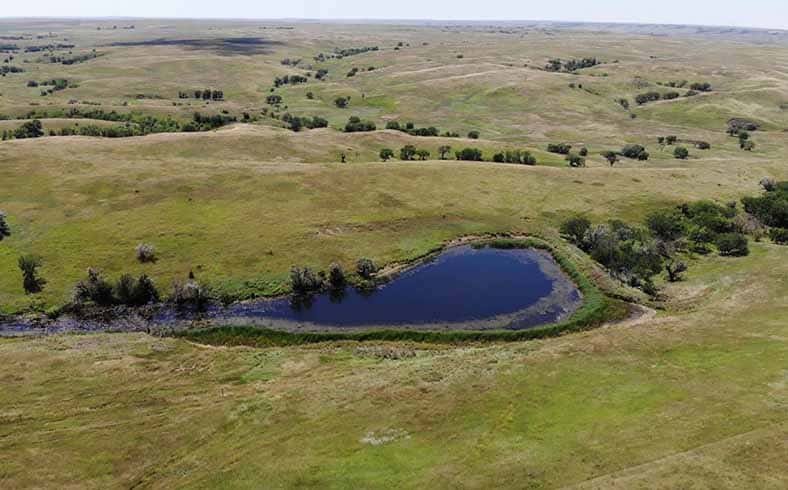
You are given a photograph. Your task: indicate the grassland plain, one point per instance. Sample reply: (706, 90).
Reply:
(693, 397)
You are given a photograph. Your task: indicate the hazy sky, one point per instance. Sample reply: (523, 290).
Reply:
(754, 13)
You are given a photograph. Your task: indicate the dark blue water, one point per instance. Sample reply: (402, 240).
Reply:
(462, 285)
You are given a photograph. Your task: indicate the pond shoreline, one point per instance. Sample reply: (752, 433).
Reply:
(139, 320)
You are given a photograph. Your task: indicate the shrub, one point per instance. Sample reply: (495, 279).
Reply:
(407, 152)
(666, 225)
(575, 160)
(356, 125)
(647, 97)
(671, 95)
(146, 253)
(386, 154)
(635, 151)
(31, 282)
(701, 86)
(190, 295)
(95, 289)
(474, 135)
(336, 276)
(304, 281)
(779, 235)
(366, 268)
(611, 157)
(469, 154)
(5, 230)
(135, 292)
(747, 145)
(681, 153)
(560, 148)
(575, 229)
(732, 244)
(342, 102)
(393, 125)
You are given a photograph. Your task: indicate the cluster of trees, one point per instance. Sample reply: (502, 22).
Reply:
(406, 153)
(273, 99)
(771, 209)
(305, 282)
(636, 254)
(127, 290)
(5, 69)
(522, 157)
(48, 47)
(56, 84)
(297, 123)
(636, 152)
(560, 148)
(356, 125)
(345, 52)
(206, 94)
(321, 74)
(558, 64)
(654, 96)
(290, 80)
(136, 125)
(737, 124)
(291, 62)
(745, 143)
(73, 60)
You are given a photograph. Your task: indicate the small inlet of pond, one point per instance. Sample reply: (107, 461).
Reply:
(463, 288)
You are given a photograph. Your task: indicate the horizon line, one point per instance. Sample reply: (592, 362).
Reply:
(373, 19)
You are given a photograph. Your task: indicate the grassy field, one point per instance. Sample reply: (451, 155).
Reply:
(692, 397)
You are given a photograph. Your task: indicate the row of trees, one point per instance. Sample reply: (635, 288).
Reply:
(297, 123)
(558, 64)
(356, 125)
(290, 80)
(207, 94)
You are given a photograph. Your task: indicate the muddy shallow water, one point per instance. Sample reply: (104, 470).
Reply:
(464, 288)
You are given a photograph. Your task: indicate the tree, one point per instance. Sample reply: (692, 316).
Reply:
(444, 151)
(5, 230)
(342, 102)
(386, 154)
(732, 244)
(747, 145)
(407, 152)
(575, 229)
(560, 148)
(29, 265)
(474, 135)
(635, 151)
(681, 153)
(575, 160)
(366, 268)
(671, 139)
(393, 125)
(423, 154)
(336, 276)
(469, 154)
(145, 253)
(499, 158)
(611, 157)
(583, 151)
(310, 95)
(666, 225)
(30, 129)
(274, 99)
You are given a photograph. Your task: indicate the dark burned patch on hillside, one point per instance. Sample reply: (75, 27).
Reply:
(226, 46)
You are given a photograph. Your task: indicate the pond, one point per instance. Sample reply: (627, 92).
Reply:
(463, 288)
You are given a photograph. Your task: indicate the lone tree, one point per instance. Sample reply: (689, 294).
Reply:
(342, 102)
(366, 268)
(29, 265)
(474, 135)
(407, 152)
(5, 230)
(386, 154)
(611, 157)
(444, 151)
(681, 153)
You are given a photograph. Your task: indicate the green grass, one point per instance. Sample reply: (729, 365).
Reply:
(693, 397)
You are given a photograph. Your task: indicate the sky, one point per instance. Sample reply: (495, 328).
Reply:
(750, 13)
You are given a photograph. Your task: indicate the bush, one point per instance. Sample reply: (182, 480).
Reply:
(647, 97)
(575, 160)
(474, 135)
(95, 289)
(304, 281)
(31, 282)
(190, 295)
(681, 153)
(135, 292)
(732, 244)
(575, 229)
(342, 102)
(560, 148)
(5, 230)
(386, 154)
(366, 268)
(356, 125)
(635, 151)
(145, 253)
(469, 154)
(336, 276)
(407, 152)
(779, 235)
